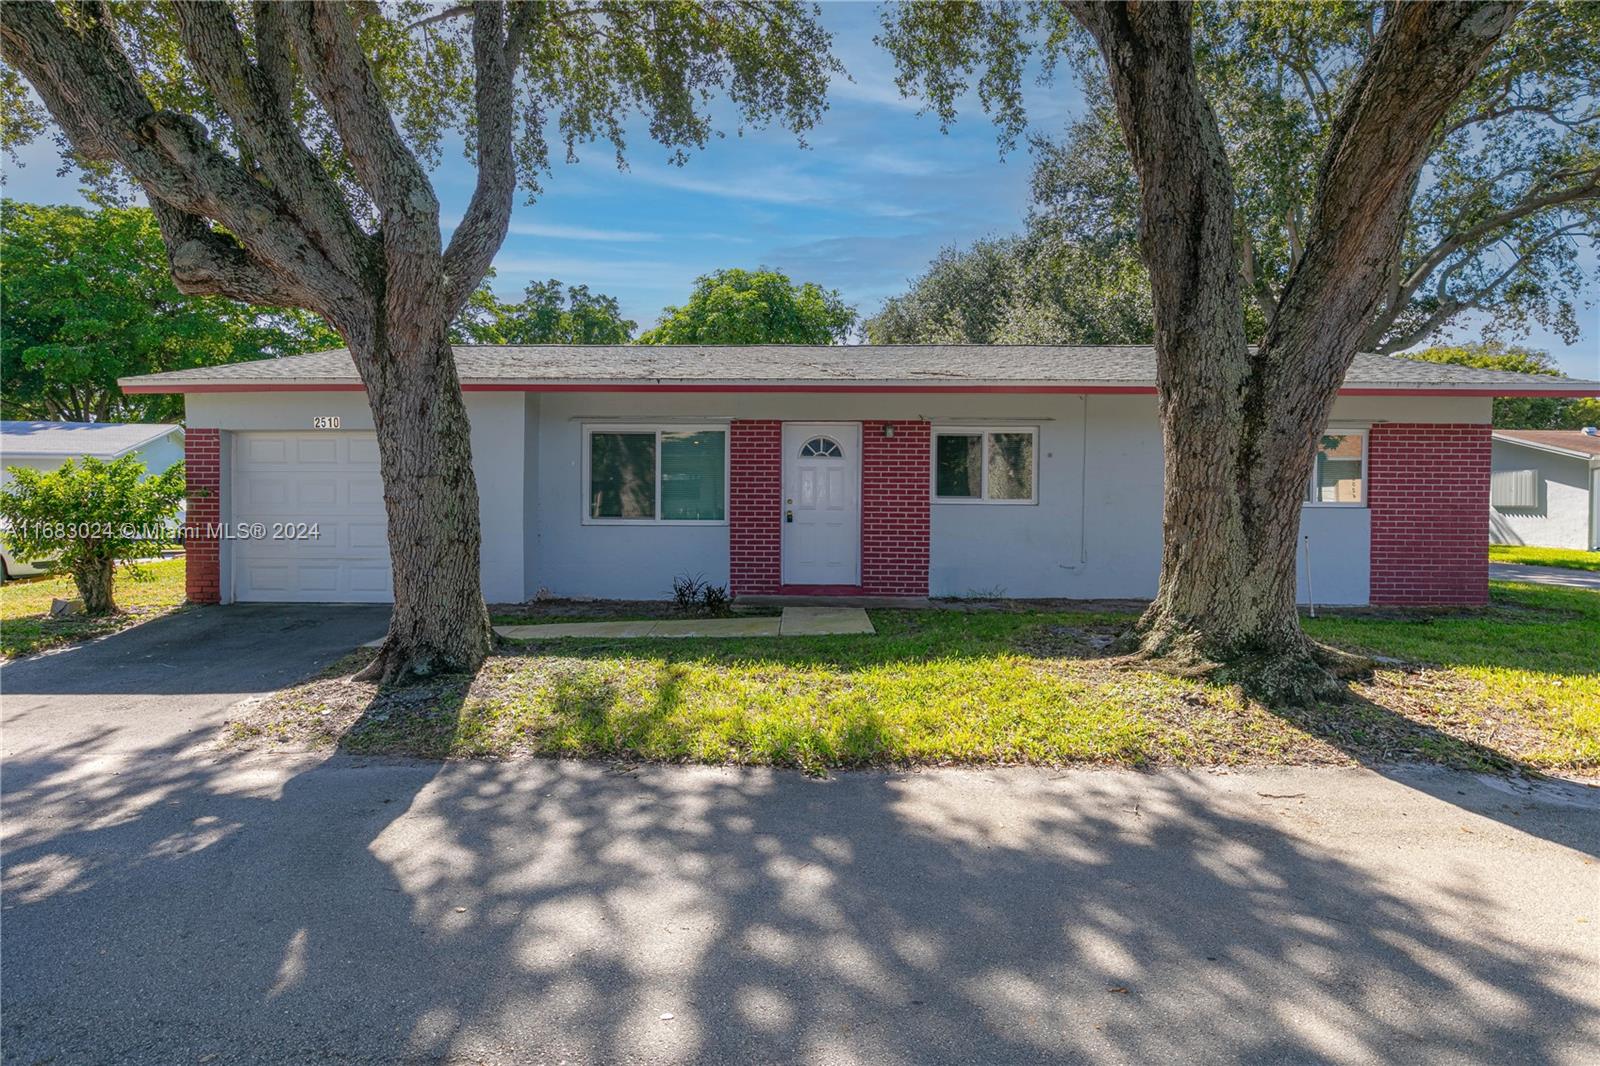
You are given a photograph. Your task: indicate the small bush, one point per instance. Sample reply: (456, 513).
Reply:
(692, 594)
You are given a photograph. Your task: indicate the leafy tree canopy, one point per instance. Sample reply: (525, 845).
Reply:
(549, 313)
(1022, 290)
(754, 307)
(1509, 198)
(1518, 412)
(86, 298)
(85, 516)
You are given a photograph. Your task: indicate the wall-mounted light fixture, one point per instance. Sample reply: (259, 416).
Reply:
(888, 429)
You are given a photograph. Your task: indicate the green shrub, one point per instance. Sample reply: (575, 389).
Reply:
(87, 516)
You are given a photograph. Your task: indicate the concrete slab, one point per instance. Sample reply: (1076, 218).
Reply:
(824, 621)
(911, 603)
(642, 628)
(718, 627)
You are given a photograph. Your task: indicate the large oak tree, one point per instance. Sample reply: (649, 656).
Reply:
(284, 148)
(1240, 422)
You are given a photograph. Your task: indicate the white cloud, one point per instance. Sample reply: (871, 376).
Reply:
(582, 233)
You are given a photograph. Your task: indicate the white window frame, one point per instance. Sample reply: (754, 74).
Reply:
(1310, 499)
(983, 480)
(658, 428)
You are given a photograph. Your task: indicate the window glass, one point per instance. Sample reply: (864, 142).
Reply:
(958, 463)
(1337, 478)
(1011, 466)
(821, 448)
(622, 475)
(693, 472)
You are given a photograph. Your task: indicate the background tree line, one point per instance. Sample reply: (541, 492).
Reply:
(86, 297)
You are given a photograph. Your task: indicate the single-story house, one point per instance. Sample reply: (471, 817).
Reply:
(1545, 488)
(945, 470)
(46, 445)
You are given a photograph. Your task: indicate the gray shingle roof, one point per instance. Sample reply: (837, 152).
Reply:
(103, 440)
(773, 364)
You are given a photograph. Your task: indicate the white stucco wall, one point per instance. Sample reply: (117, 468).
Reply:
(1095, 531)
(1562, 518)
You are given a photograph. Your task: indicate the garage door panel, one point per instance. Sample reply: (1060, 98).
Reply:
(317, 492)
(261, 450)
(321, 480)
(365, 494)
(316, 450)
(363, 450)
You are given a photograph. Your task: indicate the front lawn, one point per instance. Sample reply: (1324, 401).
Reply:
(1571, 558)
(26, 625)
(1516, 683)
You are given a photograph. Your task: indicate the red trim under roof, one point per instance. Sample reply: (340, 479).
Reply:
(1117, 390)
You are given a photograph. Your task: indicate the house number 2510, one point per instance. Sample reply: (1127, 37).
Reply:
(325, 422)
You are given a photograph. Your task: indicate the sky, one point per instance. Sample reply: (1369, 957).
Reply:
(863, 209)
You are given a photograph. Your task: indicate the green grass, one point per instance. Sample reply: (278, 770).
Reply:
(1532, 659)
(26, 625)
(1571, 558)
(1514, 684)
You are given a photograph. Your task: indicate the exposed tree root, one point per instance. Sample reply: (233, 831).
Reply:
(395, 664)
(1290, 670)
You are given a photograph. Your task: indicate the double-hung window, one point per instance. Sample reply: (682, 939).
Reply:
(646, 474)
(982, 464)
(1340, 474)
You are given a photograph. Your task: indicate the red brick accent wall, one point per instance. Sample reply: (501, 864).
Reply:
(202, 464)
(755, 507)
(896, 478)
(1428, 491)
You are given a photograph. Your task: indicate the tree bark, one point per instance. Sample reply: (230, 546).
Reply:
(93, 579)
(1240, 426)
(440, 623)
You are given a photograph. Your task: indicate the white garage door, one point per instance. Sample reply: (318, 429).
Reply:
(281, 481)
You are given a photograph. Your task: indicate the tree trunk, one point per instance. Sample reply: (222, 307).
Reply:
(440, 623)
(93, 579)
(1240, 426)
(1236, 472)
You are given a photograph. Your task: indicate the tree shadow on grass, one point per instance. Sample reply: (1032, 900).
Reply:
(355, 910)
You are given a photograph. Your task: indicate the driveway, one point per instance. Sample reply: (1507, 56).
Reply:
(1545, 575)
(150, 687)
(166, 902)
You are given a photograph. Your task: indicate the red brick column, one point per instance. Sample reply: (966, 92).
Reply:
(1428, 491)
(755, 507)
(202, 464)
(896, 478)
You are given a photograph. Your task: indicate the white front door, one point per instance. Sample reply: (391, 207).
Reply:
(821, 503)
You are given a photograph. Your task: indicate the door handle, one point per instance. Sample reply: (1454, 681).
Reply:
(788, 516)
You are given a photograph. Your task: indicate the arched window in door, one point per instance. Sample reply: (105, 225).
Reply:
(821, 448)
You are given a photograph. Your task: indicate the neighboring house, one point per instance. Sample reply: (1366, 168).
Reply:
(1546, 488)
(46, 445)
(945, 470)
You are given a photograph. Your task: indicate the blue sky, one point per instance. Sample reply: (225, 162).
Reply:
(864, 208)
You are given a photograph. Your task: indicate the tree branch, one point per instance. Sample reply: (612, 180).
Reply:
(90, 88)
(342, 79)
(258, 108)
(205, 262)
(1588, 189)
(1424, 58)
(483, 227)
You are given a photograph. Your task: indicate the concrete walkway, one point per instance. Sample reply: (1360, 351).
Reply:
(1545, 575)
(794, 622)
